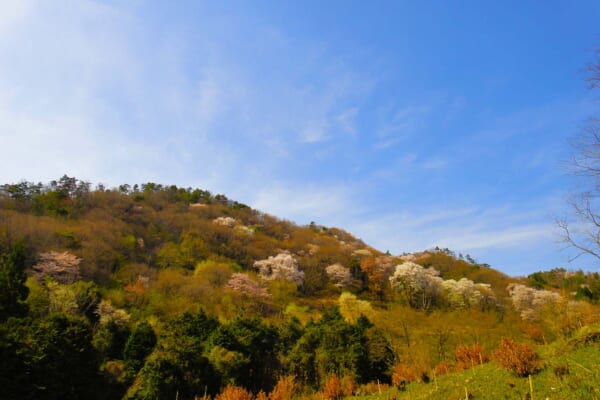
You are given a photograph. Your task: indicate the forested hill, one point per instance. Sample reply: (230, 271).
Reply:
(163, 226)
(153, 292)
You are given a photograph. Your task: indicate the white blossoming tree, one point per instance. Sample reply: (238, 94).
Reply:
(339, 275)
(282, 266)
(242, 284)
(108, 313)
(530, 302)
(62, 267)
(463, 293)
(420, 287)
(225, 221)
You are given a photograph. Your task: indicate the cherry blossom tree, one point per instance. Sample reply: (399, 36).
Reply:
(282, 266)
(463, 293)
(108, 313)
(339, 275)
(242, 283)
(529, 302)
(63, 267)
(420, 286)
(225, 221)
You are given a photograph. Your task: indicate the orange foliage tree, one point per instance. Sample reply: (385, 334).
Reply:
(232, 392)
(333, 388)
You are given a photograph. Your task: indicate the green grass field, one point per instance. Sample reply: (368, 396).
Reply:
(571, 371)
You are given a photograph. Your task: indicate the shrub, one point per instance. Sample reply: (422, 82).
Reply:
(349, 386)
(535, 332)
(519, 358)
(262, 396)
(405, 373)
(442, 368)
(232, 392)
(333, 388)
(285, 388)
(469, 356)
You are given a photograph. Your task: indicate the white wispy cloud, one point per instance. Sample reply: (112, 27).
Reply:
(402, 122)
(11, 13)
(347, 120)
(435, 163)
(464, 229)
(326, 204)
(315, 132)
(89, 97)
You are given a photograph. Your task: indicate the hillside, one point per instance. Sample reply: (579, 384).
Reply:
(152, 291)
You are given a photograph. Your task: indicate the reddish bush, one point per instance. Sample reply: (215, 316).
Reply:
(349, 386)
(285, 388)
(333, 388)
(262, 396)
(234, 393)
(442, 368)
(519, 358)
(469, 356)
(405, 373)
(535, 332)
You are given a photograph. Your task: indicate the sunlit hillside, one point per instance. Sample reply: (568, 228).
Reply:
(156, 292)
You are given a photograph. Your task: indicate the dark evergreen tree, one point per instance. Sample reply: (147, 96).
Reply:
(140, 344)
(59, 359)
(13, 291)
(178, 367)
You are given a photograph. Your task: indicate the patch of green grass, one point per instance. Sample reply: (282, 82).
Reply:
(570, 372)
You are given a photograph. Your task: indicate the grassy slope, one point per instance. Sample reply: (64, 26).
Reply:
(490, 381)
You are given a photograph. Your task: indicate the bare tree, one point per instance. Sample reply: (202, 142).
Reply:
(582, 230)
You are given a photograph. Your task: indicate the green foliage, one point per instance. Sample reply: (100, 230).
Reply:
(13, 290)
(14, 371)
(335, 346)
(50, 358)
(380, 356)
(110, 339)
(185, 254)
(167, 372)
(248, 350)
(139, 345)
(216, 273)
(536, 280)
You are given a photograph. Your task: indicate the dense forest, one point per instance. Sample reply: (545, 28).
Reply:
(159, 292)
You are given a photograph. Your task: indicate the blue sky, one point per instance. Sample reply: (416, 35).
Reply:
(410, 124)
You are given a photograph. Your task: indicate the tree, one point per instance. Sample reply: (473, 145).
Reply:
(582, 230)
(420, 287)
(177, 367)
(13, 291)
(339, 275)
(282, 266)
(140, 344)
(62, 363)
(63, 267)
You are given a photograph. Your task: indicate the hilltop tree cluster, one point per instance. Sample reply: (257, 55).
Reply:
(424, 288)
